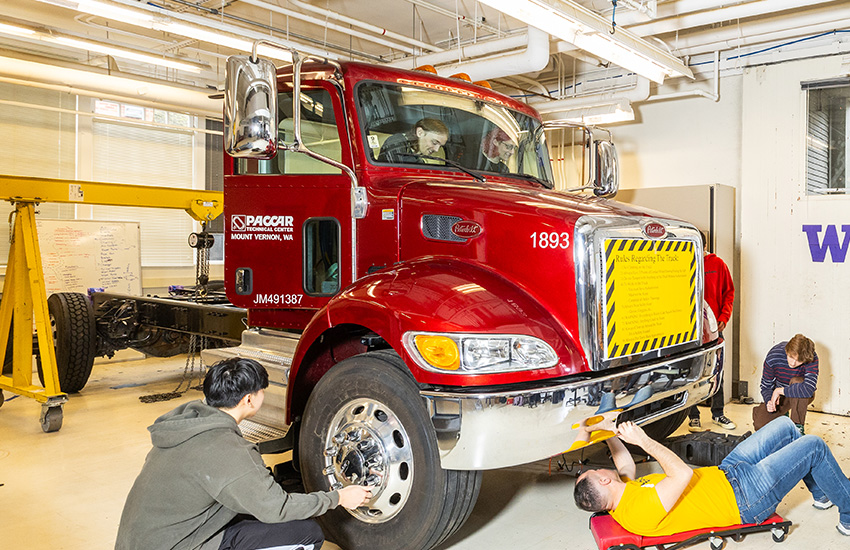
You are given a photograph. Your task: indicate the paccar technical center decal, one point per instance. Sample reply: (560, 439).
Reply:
(261, 228)
(650, 295)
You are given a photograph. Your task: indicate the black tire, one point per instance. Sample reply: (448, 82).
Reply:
(372, 400)
(74, 338)
(660, 429)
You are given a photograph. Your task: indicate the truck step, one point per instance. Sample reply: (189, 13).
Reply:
(269, 440)
(274, 350)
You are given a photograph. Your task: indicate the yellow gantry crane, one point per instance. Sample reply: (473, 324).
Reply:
(24, 298)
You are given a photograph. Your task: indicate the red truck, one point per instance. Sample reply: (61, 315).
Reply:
(429, 306)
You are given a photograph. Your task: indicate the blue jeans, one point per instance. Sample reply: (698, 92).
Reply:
(767, 465)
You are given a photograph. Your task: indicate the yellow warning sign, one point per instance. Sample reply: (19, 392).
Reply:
(650, 295)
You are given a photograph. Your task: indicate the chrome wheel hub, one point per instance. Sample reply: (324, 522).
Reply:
(367, 445)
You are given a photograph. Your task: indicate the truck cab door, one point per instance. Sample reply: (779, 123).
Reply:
(288, 220)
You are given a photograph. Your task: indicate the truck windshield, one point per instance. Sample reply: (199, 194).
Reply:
(408, 125)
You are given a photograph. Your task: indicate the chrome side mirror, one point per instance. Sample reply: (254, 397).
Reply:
(606, 169)
(250, 107)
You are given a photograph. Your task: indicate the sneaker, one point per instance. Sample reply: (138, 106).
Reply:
(823, 504)
(801, 429)
(843, 528)
(724, 422)
(694, 425)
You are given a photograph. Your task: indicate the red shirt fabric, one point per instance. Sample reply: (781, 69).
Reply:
(719, 289)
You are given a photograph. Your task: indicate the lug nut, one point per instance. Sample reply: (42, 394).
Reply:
(354, 436)
(366, 444)
(372, 479)
(336, 486)
(331, 451)
(339, 438)
(329, 470)
(374, 460)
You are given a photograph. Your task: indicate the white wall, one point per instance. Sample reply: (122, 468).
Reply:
(692, 141)
(783, 291)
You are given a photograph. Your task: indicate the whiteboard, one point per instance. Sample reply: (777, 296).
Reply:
(80, 254)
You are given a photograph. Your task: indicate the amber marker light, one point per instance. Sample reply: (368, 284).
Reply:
(440, 351)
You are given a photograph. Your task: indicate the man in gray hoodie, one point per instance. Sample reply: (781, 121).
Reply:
(204, 487)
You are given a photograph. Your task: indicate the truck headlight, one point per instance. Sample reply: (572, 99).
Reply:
(459, 353)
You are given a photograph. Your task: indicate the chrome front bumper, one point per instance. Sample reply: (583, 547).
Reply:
(481, 431)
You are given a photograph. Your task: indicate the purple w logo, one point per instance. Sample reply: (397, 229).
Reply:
(838, 250)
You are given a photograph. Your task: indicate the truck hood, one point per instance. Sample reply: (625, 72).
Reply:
(521, 232)
(521, 196)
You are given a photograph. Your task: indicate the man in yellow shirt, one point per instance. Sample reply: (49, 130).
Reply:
(746, 487)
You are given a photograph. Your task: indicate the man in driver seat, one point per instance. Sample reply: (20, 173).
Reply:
(426, 138)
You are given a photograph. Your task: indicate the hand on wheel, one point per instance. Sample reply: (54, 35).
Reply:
(354, 496)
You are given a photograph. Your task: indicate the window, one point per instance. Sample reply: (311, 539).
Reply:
(318, 132)
(140, 155)
(826, 139)
(39, 142)
(321, 256)
(408, 125)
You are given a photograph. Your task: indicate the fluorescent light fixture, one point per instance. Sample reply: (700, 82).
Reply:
(596, 115)
(189, 26)
(15, 30)
(204, 35)
(111, 11)
(586, 29)
(124, 53)
(222, 39)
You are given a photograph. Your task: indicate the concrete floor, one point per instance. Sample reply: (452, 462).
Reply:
(66, 490)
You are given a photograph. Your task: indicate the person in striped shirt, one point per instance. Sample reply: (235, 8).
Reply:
(788, 382)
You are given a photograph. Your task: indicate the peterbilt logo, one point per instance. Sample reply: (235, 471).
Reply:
(466, 229)
(654, 230)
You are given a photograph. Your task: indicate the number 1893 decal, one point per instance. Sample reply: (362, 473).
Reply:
(550, 239)
(278, 299)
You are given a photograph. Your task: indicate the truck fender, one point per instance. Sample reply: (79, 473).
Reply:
(433, 294)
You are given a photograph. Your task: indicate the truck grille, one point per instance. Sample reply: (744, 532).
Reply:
(638, 298)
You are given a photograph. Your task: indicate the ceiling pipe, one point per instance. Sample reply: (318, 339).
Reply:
(365, 26)
(729, 13)
(533, 58)
(771, 38)
(700, 93)
(767, 30)
(673, 9)
(324, 23)
(466, 52)
(454, 15)
(640, 92)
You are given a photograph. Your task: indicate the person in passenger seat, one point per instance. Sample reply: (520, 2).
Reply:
(204, 487)
(746, 488)
(426, 138)
(496, 150)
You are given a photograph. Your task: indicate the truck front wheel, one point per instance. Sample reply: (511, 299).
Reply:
(366, 424)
